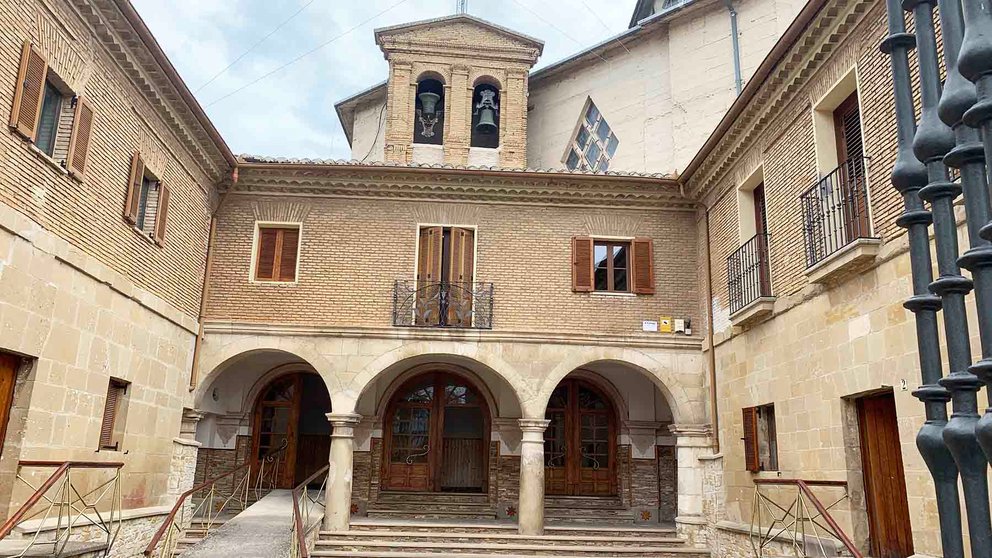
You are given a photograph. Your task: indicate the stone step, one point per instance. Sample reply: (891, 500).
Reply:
(582, 502)
(418, 506)
(434, 497)
(390, 548)
(432, 512)
(564, 529)
(500, 538)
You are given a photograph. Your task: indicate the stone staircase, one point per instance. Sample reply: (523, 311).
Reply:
(432, 505)
(195, 533)
(587, 509)
(418, 539)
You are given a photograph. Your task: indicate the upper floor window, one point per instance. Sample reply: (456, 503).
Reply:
(49, 114)
(594, 144)
(485, 116)
(617, 266)
(428, 126)
(277, 256)
(147, 207)
(114, 413)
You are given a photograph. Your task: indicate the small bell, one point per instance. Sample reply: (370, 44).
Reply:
(429, 101)
(487, 121)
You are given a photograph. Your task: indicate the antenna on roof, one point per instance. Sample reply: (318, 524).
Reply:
(462, 7)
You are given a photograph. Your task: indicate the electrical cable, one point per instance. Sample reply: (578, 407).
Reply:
(555, 27)
(603, 23)
(378, 129)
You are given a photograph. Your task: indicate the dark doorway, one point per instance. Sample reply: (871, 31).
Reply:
(889, 524)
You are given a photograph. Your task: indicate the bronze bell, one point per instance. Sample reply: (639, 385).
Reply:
(487, 121)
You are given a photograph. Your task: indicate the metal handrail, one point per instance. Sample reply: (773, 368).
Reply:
(835, 210)
(69, 502)
(301, 520)
(169, 530)
(796, 516)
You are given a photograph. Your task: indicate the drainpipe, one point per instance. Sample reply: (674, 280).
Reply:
(205, 292)
(714, 402)
(735, 39)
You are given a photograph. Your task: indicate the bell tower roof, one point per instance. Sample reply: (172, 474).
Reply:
(459, 35)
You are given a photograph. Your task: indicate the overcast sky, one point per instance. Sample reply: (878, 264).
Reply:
(291, 111)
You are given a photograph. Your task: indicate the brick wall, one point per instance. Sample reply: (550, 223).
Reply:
(89, 213)
(353, 251)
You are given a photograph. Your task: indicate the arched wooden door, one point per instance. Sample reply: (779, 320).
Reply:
(580, 442)
(436, 436)
(290, 410)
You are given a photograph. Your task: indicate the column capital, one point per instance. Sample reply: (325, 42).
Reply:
(344, 423)
(533, 425)
(690, 430)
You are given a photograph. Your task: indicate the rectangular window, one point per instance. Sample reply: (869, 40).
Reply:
(278, 251)
(112, 427)
(48, 126)
(611, 261)
(594, 143)
(147, 206)
(760, 439)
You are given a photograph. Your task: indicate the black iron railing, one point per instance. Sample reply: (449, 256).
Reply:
(443, 304)
(747, 273)
(835, 211)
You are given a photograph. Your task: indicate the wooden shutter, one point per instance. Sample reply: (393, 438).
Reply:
(8, 378)
(162, 213)
(134, 189)
(642, 265)
(847, 127)
(30, 92)
(114, 392)
(582, 264)
(752, 460)
(461, 268)
(288, 252)
(429, 257)
(79, 142)
(265, 263)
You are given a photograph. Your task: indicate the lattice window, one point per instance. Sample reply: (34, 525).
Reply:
(594, 143)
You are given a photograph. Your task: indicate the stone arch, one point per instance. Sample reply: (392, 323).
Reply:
(603, 384)
(487, 79)
(431, 74)
(293, 352)
(661, 373)
(382, 402)
(467, 355)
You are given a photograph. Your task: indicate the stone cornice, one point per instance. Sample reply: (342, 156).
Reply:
(461, 185)
(645, 341)
(810, 51)
(133, 48)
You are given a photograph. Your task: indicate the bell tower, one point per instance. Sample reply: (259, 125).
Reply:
(457, 92)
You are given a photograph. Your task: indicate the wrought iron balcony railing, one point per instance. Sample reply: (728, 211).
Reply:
(443, 304)
(835, 211)
(748, 278)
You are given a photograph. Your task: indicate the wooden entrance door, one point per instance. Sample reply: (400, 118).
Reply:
(8, 377)
(290, 411)
(437, 436)
(580, 442)
(885, 481)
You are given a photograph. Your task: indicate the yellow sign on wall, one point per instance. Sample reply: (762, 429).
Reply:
(665, 324)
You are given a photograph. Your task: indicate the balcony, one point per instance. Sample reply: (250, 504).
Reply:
(749, 284)
(443, 304)
(836, 224)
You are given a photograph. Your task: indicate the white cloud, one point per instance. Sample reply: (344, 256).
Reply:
(291, 113)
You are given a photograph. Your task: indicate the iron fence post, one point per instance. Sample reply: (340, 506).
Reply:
(969, 156)
(909, 176)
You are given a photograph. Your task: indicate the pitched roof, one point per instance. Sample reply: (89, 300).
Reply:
(537, 43)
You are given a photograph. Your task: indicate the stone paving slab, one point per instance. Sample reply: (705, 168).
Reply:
(263, 530)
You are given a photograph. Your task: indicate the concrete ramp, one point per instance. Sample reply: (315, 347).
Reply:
(263, 531)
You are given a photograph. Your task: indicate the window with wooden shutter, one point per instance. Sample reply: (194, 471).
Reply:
(582, 264)
(461, 267)
(162, 213)
(751, 462)
(29, 94)
(79, 142)
(134, 186)
(642, 265)
(430, 249)
(110, 429)
(277, 255)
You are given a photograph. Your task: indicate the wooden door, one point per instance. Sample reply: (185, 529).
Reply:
(580, 442)
(885, 481)
(8, 377)
(436, 437)
(850, 154)
(761, 226)
(276, 418)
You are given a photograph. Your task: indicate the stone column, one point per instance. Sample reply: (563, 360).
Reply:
(337, 498)
(401, 95)
(458, 120)
(185, 449)
(692, 443)
(531, 513)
